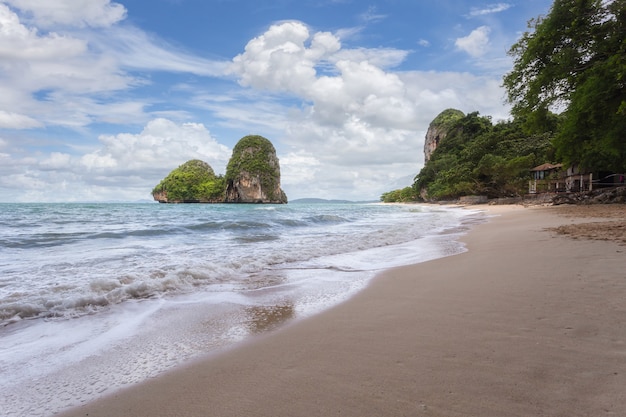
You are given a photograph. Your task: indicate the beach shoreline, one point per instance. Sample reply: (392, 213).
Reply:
(526, 322)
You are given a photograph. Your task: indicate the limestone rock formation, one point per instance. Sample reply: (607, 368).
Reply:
(438, 130)
(253, 173)
(192, 182)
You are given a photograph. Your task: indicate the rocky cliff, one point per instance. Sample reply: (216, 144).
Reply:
(438, 129)
(252, 176)
(253, 173)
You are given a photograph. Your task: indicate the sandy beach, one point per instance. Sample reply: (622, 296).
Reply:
(530, 321)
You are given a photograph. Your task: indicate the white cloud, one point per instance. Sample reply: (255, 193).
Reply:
(50, 13)
(22, 43)
(279, 59)
(372, 15)
(380, 57)
(10, 120)
(298, 168)
(434, 92)
(363, 126)
(61, 66)
(76, 77)
(344, 123)
(490, 9)
(476, 43)
(23, 181)
(56, 160)
(123, 166)
(160, 144)
(348, 33)
(132, 48)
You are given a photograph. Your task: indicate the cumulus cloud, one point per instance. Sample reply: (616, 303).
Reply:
(380, 57)
(363, 125)
(476, 43)
(358, 89)
(279, 59)
(161, 142)
(284, 59)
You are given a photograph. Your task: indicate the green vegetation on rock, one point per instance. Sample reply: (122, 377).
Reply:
(252, 176)
(193, 181)
(447, 118)
(478, 157)
(573, 60)
(255, 156)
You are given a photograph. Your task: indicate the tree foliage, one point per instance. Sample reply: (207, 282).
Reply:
(404, 195)
(447, 118)
(255, 155)
(478, 157)
(192, 181)
(574, 60)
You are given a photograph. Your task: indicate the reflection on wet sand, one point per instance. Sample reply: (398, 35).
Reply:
(265, 318)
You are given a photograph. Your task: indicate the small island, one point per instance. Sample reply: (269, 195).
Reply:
(252, 176)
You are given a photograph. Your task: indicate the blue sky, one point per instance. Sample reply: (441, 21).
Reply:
(99, 99)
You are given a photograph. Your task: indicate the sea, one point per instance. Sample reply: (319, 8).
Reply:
(96, 297)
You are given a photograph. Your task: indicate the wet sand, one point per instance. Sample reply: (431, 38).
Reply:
(528, 322)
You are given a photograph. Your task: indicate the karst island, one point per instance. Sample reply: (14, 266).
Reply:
(252, 176)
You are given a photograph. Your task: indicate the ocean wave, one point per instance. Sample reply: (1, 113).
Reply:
(79, 301)
(292, 222)
(327, 218)
(256, 238)
(53, 239)
(41, 240)
(230, 225)
(67, 301)
(148, 284)
(134, 233)
(244, 225)
(176, 250)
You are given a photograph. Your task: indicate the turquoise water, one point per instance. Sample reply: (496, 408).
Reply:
(94, 297)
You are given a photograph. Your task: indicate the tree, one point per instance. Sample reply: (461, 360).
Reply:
(477, 157)
(403, 195)
(574, 60)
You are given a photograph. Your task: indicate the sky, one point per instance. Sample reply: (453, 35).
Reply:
(101, 99)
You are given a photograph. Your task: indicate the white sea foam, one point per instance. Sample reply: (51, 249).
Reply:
(97, 297)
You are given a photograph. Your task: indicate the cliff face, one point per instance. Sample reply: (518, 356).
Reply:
(438, 130)
(253, 173)
(160, 196)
